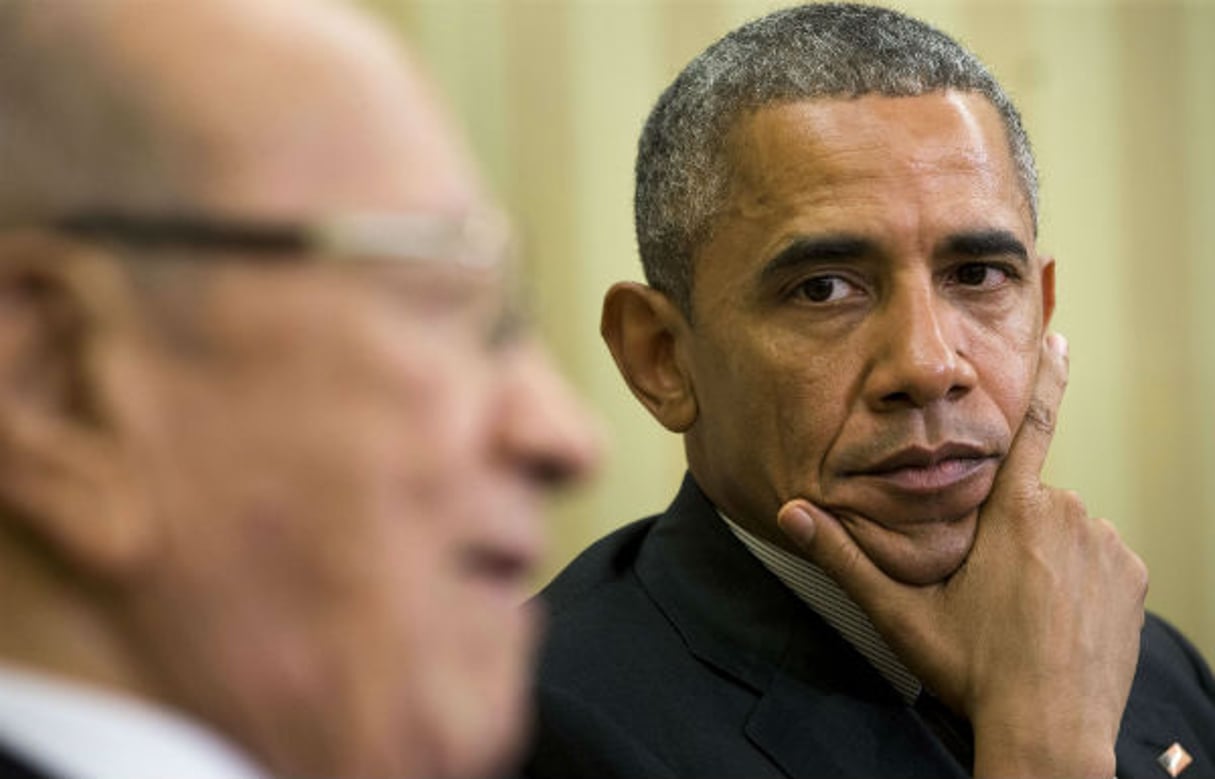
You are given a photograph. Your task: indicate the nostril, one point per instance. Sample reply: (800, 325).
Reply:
(903, 399)
(560, 458)
(552, 472)
(898, 399)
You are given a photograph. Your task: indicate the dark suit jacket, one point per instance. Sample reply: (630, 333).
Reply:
(673, 652)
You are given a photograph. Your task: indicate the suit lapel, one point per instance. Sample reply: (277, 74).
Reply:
(730, 612)
(845, 736)
(822, 709)
(829, 710)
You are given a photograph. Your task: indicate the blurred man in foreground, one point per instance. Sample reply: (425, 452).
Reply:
(863, 574)
(272, 445)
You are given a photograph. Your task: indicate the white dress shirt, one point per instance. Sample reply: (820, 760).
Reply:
(73, 731)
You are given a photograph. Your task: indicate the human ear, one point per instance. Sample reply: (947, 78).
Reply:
(643, 330)
(1048, 290)
(65, 478)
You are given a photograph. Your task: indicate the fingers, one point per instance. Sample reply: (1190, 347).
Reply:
(826, 544)
(1032, 442)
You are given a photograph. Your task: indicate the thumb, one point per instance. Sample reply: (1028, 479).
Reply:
(826, 544)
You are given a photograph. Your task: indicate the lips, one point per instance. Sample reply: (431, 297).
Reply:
(928, 471)
(497, 563)
(499, 551)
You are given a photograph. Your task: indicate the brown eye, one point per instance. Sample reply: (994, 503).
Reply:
(982, 275)
(824, 289)
(973, 274)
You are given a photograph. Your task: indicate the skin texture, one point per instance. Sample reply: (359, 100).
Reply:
(312, 528)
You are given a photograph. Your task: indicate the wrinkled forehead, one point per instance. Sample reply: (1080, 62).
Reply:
(291, 109)
(870, 141)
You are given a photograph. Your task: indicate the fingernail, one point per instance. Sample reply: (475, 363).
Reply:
(796, 522)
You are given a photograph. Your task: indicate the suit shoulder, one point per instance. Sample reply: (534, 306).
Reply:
(604, 563)
(1172, 697)
(1169, 659)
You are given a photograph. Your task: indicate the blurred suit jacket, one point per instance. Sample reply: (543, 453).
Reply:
(672, 652)
(12, 767)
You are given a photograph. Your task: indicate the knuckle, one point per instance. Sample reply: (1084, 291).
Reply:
(1133, 571)
(1068, 506)
(1074, 503)
(1040, 416)
(1142, 577)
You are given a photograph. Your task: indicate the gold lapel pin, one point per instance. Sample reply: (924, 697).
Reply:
(1175, 759)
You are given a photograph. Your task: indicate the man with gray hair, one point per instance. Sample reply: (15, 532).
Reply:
(863, 574)
(273, 444)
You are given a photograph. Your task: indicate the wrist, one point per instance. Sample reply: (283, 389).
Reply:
(1012, 750)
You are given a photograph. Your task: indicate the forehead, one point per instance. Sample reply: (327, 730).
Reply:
(895, 158)
(903, 177)
(292, 108)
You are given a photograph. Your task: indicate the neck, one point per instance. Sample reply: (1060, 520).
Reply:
(59, 624)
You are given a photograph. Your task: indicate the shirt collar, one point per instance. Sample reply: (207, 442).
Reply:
(818, 591)
(79, 732)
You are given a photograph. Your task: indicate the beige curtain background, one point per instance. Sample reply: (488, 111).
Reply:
(1119, 98)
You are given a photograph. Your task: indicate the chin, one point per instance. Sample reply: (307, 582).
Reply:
(925, 555)
(921, 571)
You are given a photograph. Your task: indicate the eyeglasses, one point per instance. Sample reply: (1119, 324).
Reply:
(479, 241)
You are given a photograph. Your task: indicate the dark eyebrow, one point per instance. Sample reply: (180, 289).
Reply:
(815, 251)
(985, 243)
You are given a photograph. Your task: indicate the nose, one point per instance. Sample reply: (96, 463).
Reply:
(918, 359)
(544, 431)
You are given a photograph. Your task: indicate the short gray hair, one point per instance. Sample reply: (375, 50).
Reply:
(810, 51)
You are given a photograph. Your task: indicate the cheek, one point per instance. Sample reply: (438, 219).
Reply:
(1007, 367)
(778, 406)
(319, 459)
(812, 407)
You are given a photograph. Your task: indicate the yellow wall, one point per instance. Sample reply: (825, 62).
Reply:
(1119, 99)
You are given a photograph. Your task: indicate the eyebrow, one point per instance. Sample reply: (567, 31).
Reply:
(985, 243)
(805, 252)
(808, 252)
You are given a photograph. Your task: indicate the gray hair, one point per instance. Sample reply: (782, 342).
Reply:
(806, 52)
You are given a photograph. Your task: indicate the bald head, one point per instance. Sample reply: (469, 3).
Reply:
(280, 108)
(313, 540)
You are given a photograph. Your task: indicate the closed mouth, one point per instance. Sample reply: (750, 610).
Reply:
(925, 470)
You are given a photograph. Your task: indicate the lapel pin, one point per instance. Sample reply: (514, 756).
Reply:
(1175, 759)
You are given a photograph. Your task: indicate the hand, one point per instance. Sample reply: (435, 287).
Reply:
(1036, 637)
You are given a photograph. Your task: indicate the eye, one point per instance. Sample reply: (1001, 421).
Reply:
(824, 289)
(981, 275)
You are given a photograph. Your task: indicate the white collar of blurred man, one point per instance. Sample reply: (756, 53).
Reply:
(296, 500)
(80, 732)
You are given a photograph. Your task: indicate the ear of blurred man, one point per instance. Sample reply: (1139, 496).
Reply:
(66, 386)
